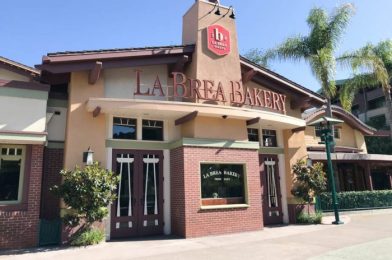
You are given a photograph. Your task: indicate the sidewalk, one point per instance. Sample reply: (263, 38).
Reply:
(283, 242)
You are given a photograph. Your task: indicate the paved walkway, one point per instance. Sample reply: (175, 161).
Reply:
(361, 237)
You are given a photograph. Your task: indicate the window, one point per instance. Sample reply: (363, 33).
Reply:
(336, 132)
(378, 122)
(376, 103)
(269, 138)
(124, 128)
(222, 184)
(253, 134)
(11, 174)
(152, 130)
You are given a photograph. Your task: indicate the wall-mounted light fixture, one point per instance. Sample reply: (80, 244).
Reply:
(88, 157)
(232, 16)
(217, 12)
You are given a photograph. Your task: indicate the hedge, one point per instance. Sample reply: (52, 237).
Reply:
(356, 200)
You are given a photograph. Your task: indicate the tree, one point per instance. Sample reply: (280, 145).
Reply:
(372, 67)
(87, 193)
(317, 48)
(309, 181)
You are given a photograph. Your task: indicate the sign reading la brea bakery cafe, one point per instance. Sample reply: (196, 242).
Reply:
(233, 92)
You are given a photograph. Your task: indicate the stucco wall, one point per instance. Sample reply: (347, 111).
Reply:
(83, 130)
(347, 137)
(9, 75)
(121, 83)
(22, 114)
(216, 128)
(57, 124)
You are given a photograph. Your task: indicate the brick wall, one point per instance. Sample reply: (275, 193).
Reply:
(19, 228)
(188, 220)
(53, 163)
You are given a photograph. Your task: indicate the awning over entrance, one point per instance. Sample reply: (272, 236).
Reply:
(351, 157)
(174, 110)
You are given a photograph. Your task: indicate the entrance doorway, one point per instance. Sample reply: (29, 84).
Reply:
(271, 193)
(138, 209)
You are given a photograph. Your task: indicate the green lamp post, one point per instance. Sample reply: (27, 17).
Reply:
(326, 124)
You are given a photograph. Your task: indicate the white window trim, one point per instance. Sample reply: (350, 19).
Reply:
(139, 127)
(22, 157)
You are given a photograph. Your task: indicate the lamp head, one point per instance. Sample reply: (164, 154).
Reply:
(322, 121)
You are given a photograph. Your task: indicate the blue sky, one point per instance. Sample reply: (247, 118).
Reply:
(30, 29)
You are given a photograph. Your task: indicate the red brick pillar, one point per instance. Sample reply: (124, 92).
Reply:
(53, 163)
(19, 224)
(188, 219)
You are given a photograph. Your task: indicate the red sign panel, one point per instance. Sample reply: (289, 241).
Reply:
(218, 40)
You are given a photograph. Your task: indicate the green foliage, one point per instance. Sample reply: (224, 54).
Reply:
(378, 145)
(309, 182)
(310, 218)
(88, 237)
(257, 56)
(357, 199)
(318, 48)
(87, 193)
(372, 68)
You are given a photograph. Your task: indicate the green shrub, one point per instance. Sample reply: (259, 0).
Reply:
(87, 193)
(88, 237)
(357, 200)
(309, 181)
(310, 218)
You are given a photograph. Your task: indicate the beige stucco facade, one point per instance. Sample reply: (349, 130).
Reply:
(83, 130)
(349, 138)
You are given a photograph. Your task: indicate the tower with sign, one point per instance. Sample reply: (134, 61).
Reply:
(214, 33)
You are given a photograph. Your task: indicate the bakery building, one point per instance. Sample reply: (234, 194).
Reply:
(202, 138)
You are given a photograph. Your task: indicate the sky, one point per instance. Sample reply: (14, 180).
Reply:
(30, 29)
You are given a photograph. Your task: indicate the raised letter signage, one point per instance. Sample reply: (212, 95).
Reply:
(233, 93)
(218, 40)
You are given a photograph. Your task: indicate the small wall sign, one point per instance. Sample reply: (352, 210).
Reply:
(218, 40)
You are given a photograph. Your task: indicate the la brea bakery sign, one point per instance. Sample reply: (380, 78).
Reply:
(234, 93)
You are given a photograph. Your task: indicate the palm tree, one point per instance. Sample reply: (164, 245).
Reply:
(372, 67)
(318, 48)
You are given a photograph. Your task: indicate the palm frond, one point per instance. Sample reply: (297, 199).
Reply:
(258, 56)
(353, 85)
(338, 22)
(323, 68)
(366, 61)
(294, 48)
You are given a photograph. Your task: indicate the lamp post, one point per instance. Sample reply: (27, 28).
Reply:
(327, 138)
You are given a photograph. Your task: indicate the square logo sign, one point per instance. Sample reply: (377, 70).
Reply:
(218, 40)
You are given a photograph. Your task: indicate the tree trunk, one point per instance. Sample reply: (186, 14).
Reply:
(328, 109)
